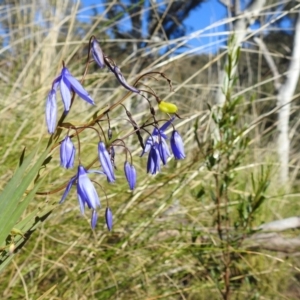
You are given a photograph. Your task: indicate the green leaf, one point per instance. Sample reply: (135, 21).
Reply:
(13, 219)
(9, 189)
(10, 206)
(27, 226)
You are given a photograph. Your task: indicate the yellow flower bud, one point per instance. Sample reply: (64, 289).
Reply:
(167, 107)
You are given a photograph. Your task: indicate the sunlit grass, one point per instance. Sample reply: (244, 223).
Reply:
(150, 254)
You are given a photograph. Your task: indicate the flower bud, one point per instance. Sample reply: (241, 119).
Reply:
(67, 153)
(167, 107)
(130, 174)
(108, 218)
(177, 145)
(123, 82)
(98, 53)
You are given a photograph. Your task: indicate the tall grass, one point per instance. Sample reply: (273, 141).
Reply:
(164, 243)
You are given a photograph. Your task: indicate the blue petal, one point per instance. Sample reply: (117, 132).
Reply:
(167, 124)
(123, 82)
(109, 218)
(150, 163)
(163, 135)
(148, 145)
(166, 147)
(157, 162)
(94, 219)
(177, 145)
(155, 132)
(65, 71)
(78, 89)
(130, 174)
(67, 153)
(98, 54)
(153, 164)
(105, 161)
(81, 204)
(51, 111)
(163, 150)
(55, 83)
(65, 94)
(68, 188)
(86, 190)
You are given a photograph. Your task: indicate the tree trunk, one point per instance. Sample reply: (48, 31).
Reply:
(284, 98)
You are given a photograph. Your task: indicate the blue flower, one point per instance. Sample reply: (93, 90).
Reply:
(163, 150)
(154, 138)
(67, 153)
(51, 111)
(105, 161)
(177, 145)
(153, 164)
(94, 219)
(86, 192)
(116, 70)
(109, 218)
(98, 53)
(67, 83)
(130, 174)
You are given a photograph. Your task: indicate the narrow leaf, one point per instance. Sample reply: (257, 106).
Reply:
(10, 208)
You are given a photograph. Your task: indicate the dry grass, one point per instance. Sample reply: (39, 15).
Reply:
(150, 253)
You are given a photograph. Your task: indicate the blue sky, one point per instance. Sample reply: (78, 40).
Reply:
(201, 18)
(205, 26)
(206, 18)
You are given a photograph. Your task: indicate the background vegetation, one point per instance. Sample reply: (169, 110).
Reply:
(188, 232)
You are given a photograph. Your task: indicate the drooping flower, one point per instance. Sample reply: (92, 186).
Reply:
(108, 218)
(177, 145)
(94, 219)
(155, 136)
(105, 161)
(51, 111)
(153, 164)
(156, 143)
(86, 192)
(97, 53)
(163, 150)
(123, 82)
(67, 83)
(67, 153)
(167, 107)
(130, 174)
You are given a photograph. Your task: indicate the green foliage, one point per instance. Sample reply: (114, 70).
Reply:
(12, 205)
(223, 157)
